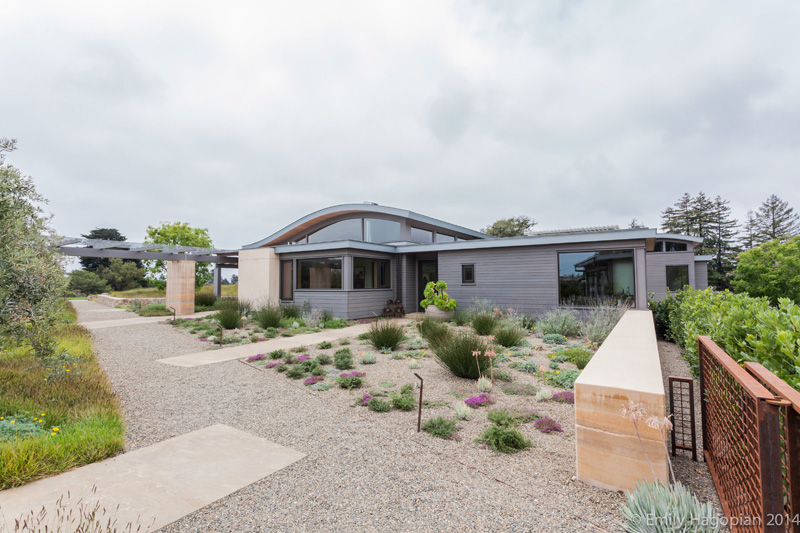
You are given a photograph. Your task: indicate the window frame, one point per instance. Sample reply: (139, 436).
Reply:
(666, 272)
(464, 280)
(376, 265)
(299, 270)
(632, 298)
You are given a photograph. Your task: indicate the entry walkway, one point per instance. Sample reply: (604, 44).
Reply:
(209, 357)
(102, 324)
(156, 485)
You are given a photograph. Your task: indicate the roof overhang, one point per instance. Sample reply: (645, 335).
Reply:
(334, 245)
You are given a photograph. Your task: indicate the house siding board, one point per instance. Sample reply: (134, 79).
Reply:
(701, 275)
(525, 279)
(335, 300)
(657, 263)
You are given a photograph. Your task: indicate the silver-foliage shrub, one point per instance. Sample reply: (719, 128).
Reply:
(597, 324)
(560, 321)
(656, 507)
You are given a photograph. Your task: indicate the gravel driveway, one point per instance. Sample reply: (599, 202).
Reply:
(359, 475)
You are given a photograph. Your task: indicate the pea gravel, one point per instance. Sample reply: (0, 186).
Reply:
(364, 471)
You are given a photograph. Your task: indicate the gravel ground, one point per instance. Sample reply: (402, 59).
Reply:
(365, 471)
(694, 475)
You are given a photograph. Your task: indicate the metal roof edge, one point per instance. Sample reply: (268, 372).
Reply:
(678, 237)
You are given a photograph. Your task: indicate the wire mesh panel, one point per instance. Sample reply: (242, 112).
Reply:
(740, 441)
(681, 408)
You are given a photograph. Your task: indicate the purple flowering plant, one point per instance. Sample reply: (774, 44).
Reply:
(365, 399)
(272, 365)
(352, 374)
(257, 357)
(566, 396)
(303, 358)
(479, 400)
(313, 380)
(547, 425)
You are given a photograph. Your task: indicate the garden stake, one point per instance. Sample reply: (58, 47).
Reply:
(419, 415)
(220, 335)
(173, 314)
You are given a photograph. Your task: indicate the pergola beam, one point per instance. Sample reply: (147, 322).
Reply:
(227, 261)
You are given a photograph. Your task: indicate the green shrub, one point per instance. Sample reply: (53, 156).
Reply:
(559, 357)
(289, 359)
(403, 401)
(554, 365)
(268, 316)
(502, 375)
(385, 334)
(509, 335)
(504, 439)
(296, 372)
(350, 382)
(554, 338)
(229, 318)
(503, 417)
(561, 378)
(598, 322)
(378, 405)
(771, 270)
(461, 317)
(277, 354)
(368, 359)
(324, 359)
(456, 352)
(561, 321)
(282, 368)
(343, 359)
(441, 427)
(661, 313)
(433, 331)
(344, 342)
(324, 345)
(436, 294)
(205, 299)
(520, 389)
(230, 303)
(676, 508)
(318, 371)
(484, 323)
(291, 311)
(579, 357)
(336, 323)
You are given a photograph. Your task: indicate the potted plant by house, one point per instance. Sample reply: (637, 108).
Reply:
(437, 303)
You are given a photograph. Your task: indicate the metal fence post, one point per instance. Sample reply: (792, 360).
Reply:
(770, 466)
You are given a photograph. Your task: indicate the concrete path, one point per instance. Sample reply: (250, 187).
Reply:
(158, 484)
(100, 324)
(209, 357)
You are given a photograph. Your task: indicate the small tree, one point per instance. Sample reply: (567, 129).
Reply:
(32, 278)
(771, 270)
(510, 227)
(122, 275)
(85, 282)
(178, 234)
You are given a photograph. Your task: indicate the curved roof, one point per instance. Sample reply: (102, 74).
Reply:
(365, 209)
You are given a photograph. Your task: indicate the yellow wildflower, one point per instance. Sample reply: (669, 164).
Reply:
(13, 421)
(42, 414)
(55, 429)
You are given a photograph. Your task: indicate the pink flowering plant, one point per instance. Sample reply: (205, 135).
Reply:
(479, 400)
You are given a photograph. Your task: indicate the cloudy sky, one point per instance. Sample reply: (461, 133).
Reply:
(243, 116)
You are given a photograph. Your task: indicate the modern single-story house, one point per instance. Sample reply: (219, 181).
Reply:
(352, 258)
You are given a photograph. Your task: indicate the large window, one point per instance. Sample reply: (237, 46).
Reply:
(319, 273)
(379, 230)
(287, 280)
(594, 278)
(339, 231)
(677, 277)
(421, 235)
(371, 273)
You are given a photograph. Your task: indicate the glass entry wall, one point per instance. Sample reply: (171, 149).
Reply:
(596, 278)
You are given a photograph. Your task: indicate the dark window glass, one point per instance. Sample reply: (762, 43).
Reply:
(371, 273)
(659, 247)
(339, 231)
(596, 278)
(441, 237)
(319, 273)
(379, 230)
(287, 280)
(675, 246)
(677, 277)
(421, 235)
(467, 274)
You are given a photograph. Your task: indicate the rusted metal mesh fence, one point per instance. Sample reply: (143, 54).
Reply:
(751, 463)
(681, 407)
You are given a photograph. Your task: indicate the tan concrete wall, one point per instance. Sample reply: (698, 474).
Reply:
(259, 272)
(113, 301)
(625, 368)
(180, 287)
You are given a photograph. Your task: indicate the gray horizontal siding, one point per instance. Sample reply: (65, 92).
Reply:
(335, 300)
(368, 303)
(701, 275)
(657, 263)
(525, 279)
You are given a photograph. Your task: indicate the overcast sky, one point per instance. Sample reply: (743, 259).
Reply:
(242, 117)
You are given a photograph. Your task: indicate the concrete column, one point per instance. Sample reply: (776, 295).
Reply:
(180, 286)
(259, 275)
(217, 281)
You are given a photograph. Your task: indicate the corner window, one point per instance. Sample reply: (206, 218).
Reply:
(339, 231)
(596, 278)
(379, 230)
(441, 237)
(670, 246)
(319, 273)
(467, 274)
(421, 235)
(677, 277)
(371, 273)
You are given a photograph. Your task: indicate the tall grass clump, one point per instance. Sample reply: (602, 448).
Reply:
(268, 315)
(509, 335)
(484, 323)
(230, 303)
(560, 321)
(292, 311)
(229, 318)
(598, 322)
(205, 299)
(385, 334)
(461, 317)
(433, 331)
(455, 354)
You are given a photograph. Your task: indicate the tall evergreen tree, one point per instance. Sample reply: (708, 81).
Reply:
(701, 223)
(749, 237)
(776, 220)
(722, 242)
(108, 234)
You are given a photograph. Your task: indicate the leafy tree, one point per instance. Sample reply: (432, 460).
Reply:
(771, 269)
(234, 279)
(122, 275)
(776, 220)
(32, 278)
(86, 282)
(178, 234)
(510, 227)
(108, 234)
